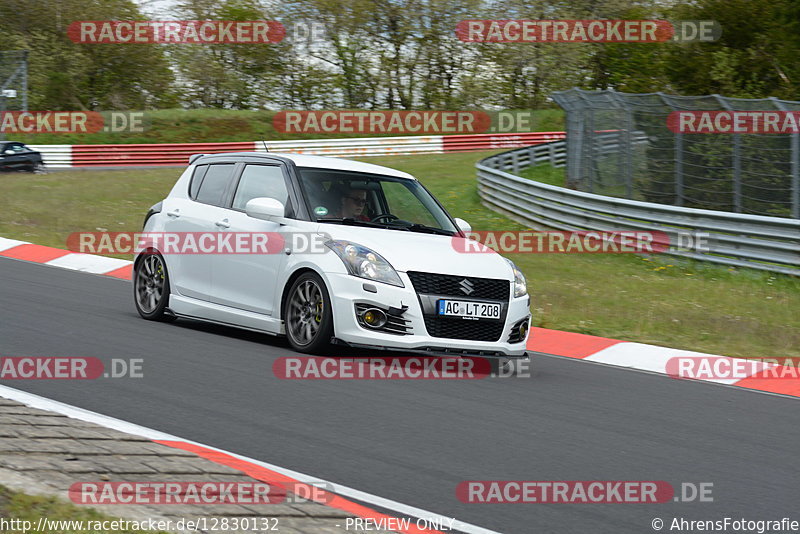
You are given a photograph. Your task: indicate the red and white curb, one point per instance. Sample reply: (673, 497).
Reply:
(56, 257)
(653, 359)
(177, 154)
(613, 352)
(262, 471)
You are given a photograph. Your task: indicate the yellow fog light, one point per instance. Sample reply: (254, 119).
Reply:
(374, 318)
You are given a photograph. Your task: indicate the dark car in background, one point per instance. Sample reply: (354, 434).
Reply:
(15, 156)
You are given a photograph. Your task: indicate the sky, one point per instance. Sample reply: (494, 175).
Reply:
(156, 7)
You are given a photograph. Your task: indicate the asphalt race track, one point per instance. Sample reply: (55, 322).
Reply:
(413, 441)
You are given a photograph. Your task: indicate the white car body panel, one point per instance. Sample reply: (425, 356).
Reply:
(237, 280)
(246, 290)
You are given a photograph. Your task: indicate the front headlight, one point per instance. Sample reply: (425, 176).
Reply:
(365, 263)
(520, 284)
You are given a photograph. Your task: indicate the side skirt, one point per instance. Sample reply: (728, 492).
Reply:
(200, 310)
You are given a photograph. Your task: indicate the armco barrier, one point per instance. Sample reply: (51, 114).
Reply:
(60, 156)
(135, 155)
(57, 156)
(755, 241)
(357, 146)
(465, 143)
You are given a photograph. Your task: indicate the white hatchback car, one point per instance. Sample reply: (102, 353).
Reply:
(386, 273)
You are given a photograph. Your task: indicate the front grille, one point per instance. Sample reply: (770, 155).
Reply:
(451, 286)
(456, 328)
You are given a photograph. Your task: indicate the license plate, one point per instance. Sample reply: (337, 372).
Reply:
(468, 309)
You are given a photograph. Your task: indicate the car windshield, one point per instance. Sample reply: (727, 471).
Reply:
(345, 197)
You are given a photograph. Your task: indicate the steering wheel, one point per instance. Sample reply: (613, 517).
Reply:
(388, 216)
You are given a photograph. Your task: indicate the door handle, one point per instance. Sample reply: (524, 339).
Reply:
(223, 223)
(174, 213)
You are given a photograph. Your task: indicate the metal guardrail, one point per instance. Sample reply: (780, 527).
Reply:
(55, 156)
(755, 241)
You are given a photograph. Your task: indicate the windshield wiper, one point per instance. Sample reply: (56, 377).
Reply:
(351, 222)
(422, 228)
(430, 229)
(415, 227)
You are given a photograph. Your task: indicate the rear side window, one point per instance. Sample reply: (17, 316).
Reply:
(214, 184)
(197, 178)
(260, 181)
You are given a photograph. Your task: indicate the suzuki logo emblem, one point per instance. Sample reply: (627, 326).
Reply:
(466, 286)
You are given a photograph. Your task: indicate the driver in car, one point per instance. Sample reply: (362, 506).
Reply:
(353, 204)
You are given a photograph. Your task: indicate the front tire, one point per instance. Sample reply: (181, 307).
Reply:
(308, 315)
(151, 287)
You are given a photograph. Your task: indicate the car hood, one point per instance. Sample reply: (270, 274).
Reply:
(414, 251)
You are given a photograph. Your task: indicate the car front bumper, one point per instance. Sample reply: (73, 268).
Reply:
(346, 291)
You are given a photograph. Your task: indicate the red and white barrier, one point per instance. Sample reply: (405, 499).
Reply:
(135, 155)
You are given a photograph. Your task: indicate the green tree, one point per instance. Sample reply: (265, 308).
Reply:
(755, 56)
(68, 75)
(229, 76)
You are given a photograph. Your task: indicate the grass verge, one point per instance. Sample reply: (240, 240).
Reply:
(658, 300)
(22, 507)
(546, 174)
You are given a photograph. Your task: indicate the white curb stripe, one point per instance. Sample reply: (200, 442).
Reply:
(88, 263)
(654, 359)
(6, 244)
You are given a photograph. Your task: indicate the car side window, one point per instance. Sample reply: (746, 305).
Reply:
(16, 147)
(215, 182)
(197, 178)
(260, 181)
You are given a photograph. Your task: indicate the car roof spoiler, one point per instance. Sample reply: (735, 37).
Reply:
(194, 157)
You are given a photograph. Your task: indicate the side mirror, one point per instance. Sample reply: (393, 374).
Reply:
(264, 208)
(9, 152)
(463, 225)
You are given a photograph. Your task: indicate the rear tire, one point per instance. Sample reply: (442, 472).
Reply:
(308, 315)
(151, 287)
